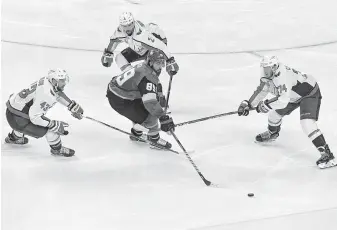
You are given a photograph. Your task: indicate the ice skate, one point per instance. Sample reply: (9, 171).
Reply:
(327, 159)
(158, 142)
(13, 139)
(266, 137)
(138, 136)
(63, 151)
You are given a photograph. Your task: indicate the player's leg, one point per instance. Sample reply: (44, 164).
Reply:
(126, 57)
(17, 124)
(274, 123)
(153, 135)
(310, 107)
(56, 147)
(24, 126)
(139, 115)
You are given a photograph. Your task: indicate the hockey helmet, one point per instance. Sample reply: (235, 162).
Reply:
(269, 66)
(127, 23)
(156, 57)
(59, 78)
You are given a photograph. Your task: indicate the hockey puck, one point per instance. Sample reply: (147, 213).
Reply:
(250, 194)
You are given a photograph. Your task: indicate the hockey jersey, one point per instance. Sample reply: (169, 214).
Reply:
(143, 39)
(34, 102)
(288, 85)
(139, 82)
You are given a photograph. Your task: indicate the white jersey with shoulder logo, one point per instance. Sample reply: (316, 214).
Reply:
(35, 101)
(141, 39)
(288, 84)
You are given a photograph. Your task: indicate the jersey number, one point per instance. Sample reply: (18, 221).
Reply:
(121, 79)
(151, 87)
(281, 88)
(45, 106)
(25, 92)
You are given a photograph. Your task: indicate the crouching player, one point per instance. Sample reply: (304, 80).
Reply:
(26, 111)
(293, 89)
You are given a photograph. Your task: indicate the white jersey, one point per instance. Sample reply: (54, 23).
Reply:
(35, 101)
(288, 85)
(142, 39)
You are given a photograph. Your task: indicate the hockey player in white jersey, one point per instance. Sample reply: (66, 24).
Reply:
(140, 39)
(292, 89)
(26, 111)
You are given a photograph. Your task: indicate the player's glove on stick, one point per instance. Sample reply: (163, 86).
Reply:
(244, 108)
(263, 107)
(76, 110)
(172, 67)
(166, 123)
(107, 58)
(58, 127)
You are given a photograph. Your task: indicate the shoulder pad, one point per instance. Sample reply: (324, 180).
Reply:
(140, 23)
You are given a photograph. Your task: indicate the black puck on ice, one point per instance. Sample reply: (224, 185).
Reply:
(250, 194)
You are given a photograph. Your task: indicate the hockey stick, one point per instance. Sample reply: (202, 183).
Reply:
(130, 134)
(207, 118)
(219, 115)
(207, 182)
(168, 93)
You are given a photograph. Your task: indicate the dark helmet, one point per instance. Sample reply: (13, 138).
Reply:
(155, 56)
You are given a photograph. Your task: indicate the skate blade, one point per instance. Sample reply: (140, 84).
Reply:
(329, 164)
(264, 142)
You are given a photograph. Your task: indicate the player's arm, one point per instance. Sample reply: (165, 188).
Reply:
(115, 39)
(152, 43)
(157, 32)
(75, 108)
(259, 94)
(148, 91)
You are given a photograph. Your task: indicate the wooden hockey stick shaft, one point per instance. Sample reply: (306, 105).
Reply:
(218, 115)
(129, 134)
(207, 182)
(168, 93)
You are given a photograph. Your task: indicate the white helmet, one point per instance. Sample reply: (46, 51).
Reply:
(270, 66)
(127, 23)
(58, 78)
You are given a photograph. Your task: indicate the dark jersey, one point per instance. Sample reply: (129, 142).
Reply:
(138, 82)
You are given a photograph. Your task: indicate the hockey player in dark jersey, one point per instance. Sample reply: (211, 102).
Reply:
(293, 89)
(133, 94)
(140, 39)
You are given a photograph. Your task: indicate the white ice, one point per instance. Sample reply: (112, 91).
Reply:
(112, 183)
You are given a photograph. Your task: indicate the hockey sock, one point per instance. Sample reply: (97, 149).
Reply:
(319, 141)
(274, 129)
(137, 133)
(54, 140)
(154, 137)
(17, 134)
(56, 146)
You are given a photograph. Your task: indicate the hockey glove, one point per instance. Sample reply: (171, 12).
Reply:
(172, 67)
(58, 127)
(263, 107)
(244, 108)
(107, 58)
(76, 110)
(166, 123)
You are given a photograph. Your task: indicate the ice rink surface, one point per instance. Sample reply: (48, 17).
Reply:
(113, 184)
